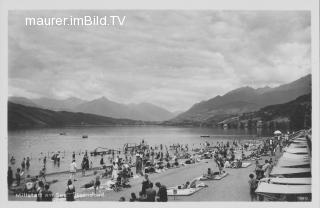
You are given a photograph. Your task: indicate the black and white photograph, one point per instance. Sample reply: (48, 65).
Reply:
(160, 105)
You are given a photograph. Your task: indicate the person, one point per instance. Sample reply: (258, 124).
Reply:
(70, 192)
(12, 160)
(186, 185)
(151, 193)
(122, 199)
(193, 183)
(40, 189)
(145, 184)
(28, 163)
(58, 159)
(142, 197)
(73, 170)
(18, 177)
(29, 186)
(10, 177)
(47, 194)
(89, 184)
(266, 168)
(114, 171)
(101, 161)
(23, 164)
(44, 161)
(42, 173)
(253, 184)
(133, 197)
(73, 156)
(259, 172)
(162, 193)
(83, 166)
(138, 165)
(97, 184)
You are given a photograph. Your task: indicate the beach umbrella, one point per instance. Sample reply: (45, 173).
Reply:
(277, 132)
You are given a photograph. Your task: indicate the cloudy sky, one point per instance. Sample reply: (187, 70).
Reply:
(169, 58)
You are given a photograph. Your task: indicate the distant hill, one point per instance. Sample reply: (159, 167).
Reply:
(245, 99)
(22, 101)
(143, 111)
(20, 116)
(68, 104)
(101, 106)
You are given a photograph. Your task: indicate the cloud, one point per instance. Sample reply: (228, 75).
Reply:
(170, 58)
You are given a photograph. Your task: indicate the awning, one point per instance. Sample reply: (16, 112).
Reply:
(283, 189)
(287, 171)
(294, 145)
(291, 156)
(287, 163)
(288, 181)
(294, 150)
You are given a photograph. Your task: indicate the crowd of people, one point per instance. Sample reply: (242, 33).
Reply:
(148, 192)
(146, 160)
(269, 147)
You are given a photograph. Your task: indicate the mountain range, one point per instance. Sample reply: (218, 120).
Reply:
(21, 116)
(101, 106)
(244, 99)
(236, 102)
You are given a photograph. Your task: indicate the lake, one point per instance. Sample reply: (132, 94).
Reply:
(36, 143)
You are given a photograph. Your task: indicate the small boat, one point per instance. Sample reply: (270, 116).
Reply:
(84, 136)
(63, 133)
(205, 136)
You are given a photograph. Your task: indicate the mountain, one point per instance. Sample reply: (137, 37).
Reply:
(142, 111)
(150, 112)
(55, 104)
(20, 116)
(295, 114)
(22, 101)
(101, 106)
(245, 99)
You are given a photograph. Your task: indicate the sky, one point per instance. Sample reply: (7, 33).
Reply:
(172, 59)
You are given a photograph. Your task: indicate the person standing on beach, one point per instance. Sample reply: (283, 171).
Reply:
(44, 162)
(18, 177)
(145, 184)
(266, 168)
(73, 156)
(28, 163)
(83, 166)
(42, 174)
(58, 159)
(73, 170)
(101, 161)
(10, 177)
(259, 172)
(253, 184)
(114, 171)
(23, 164)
